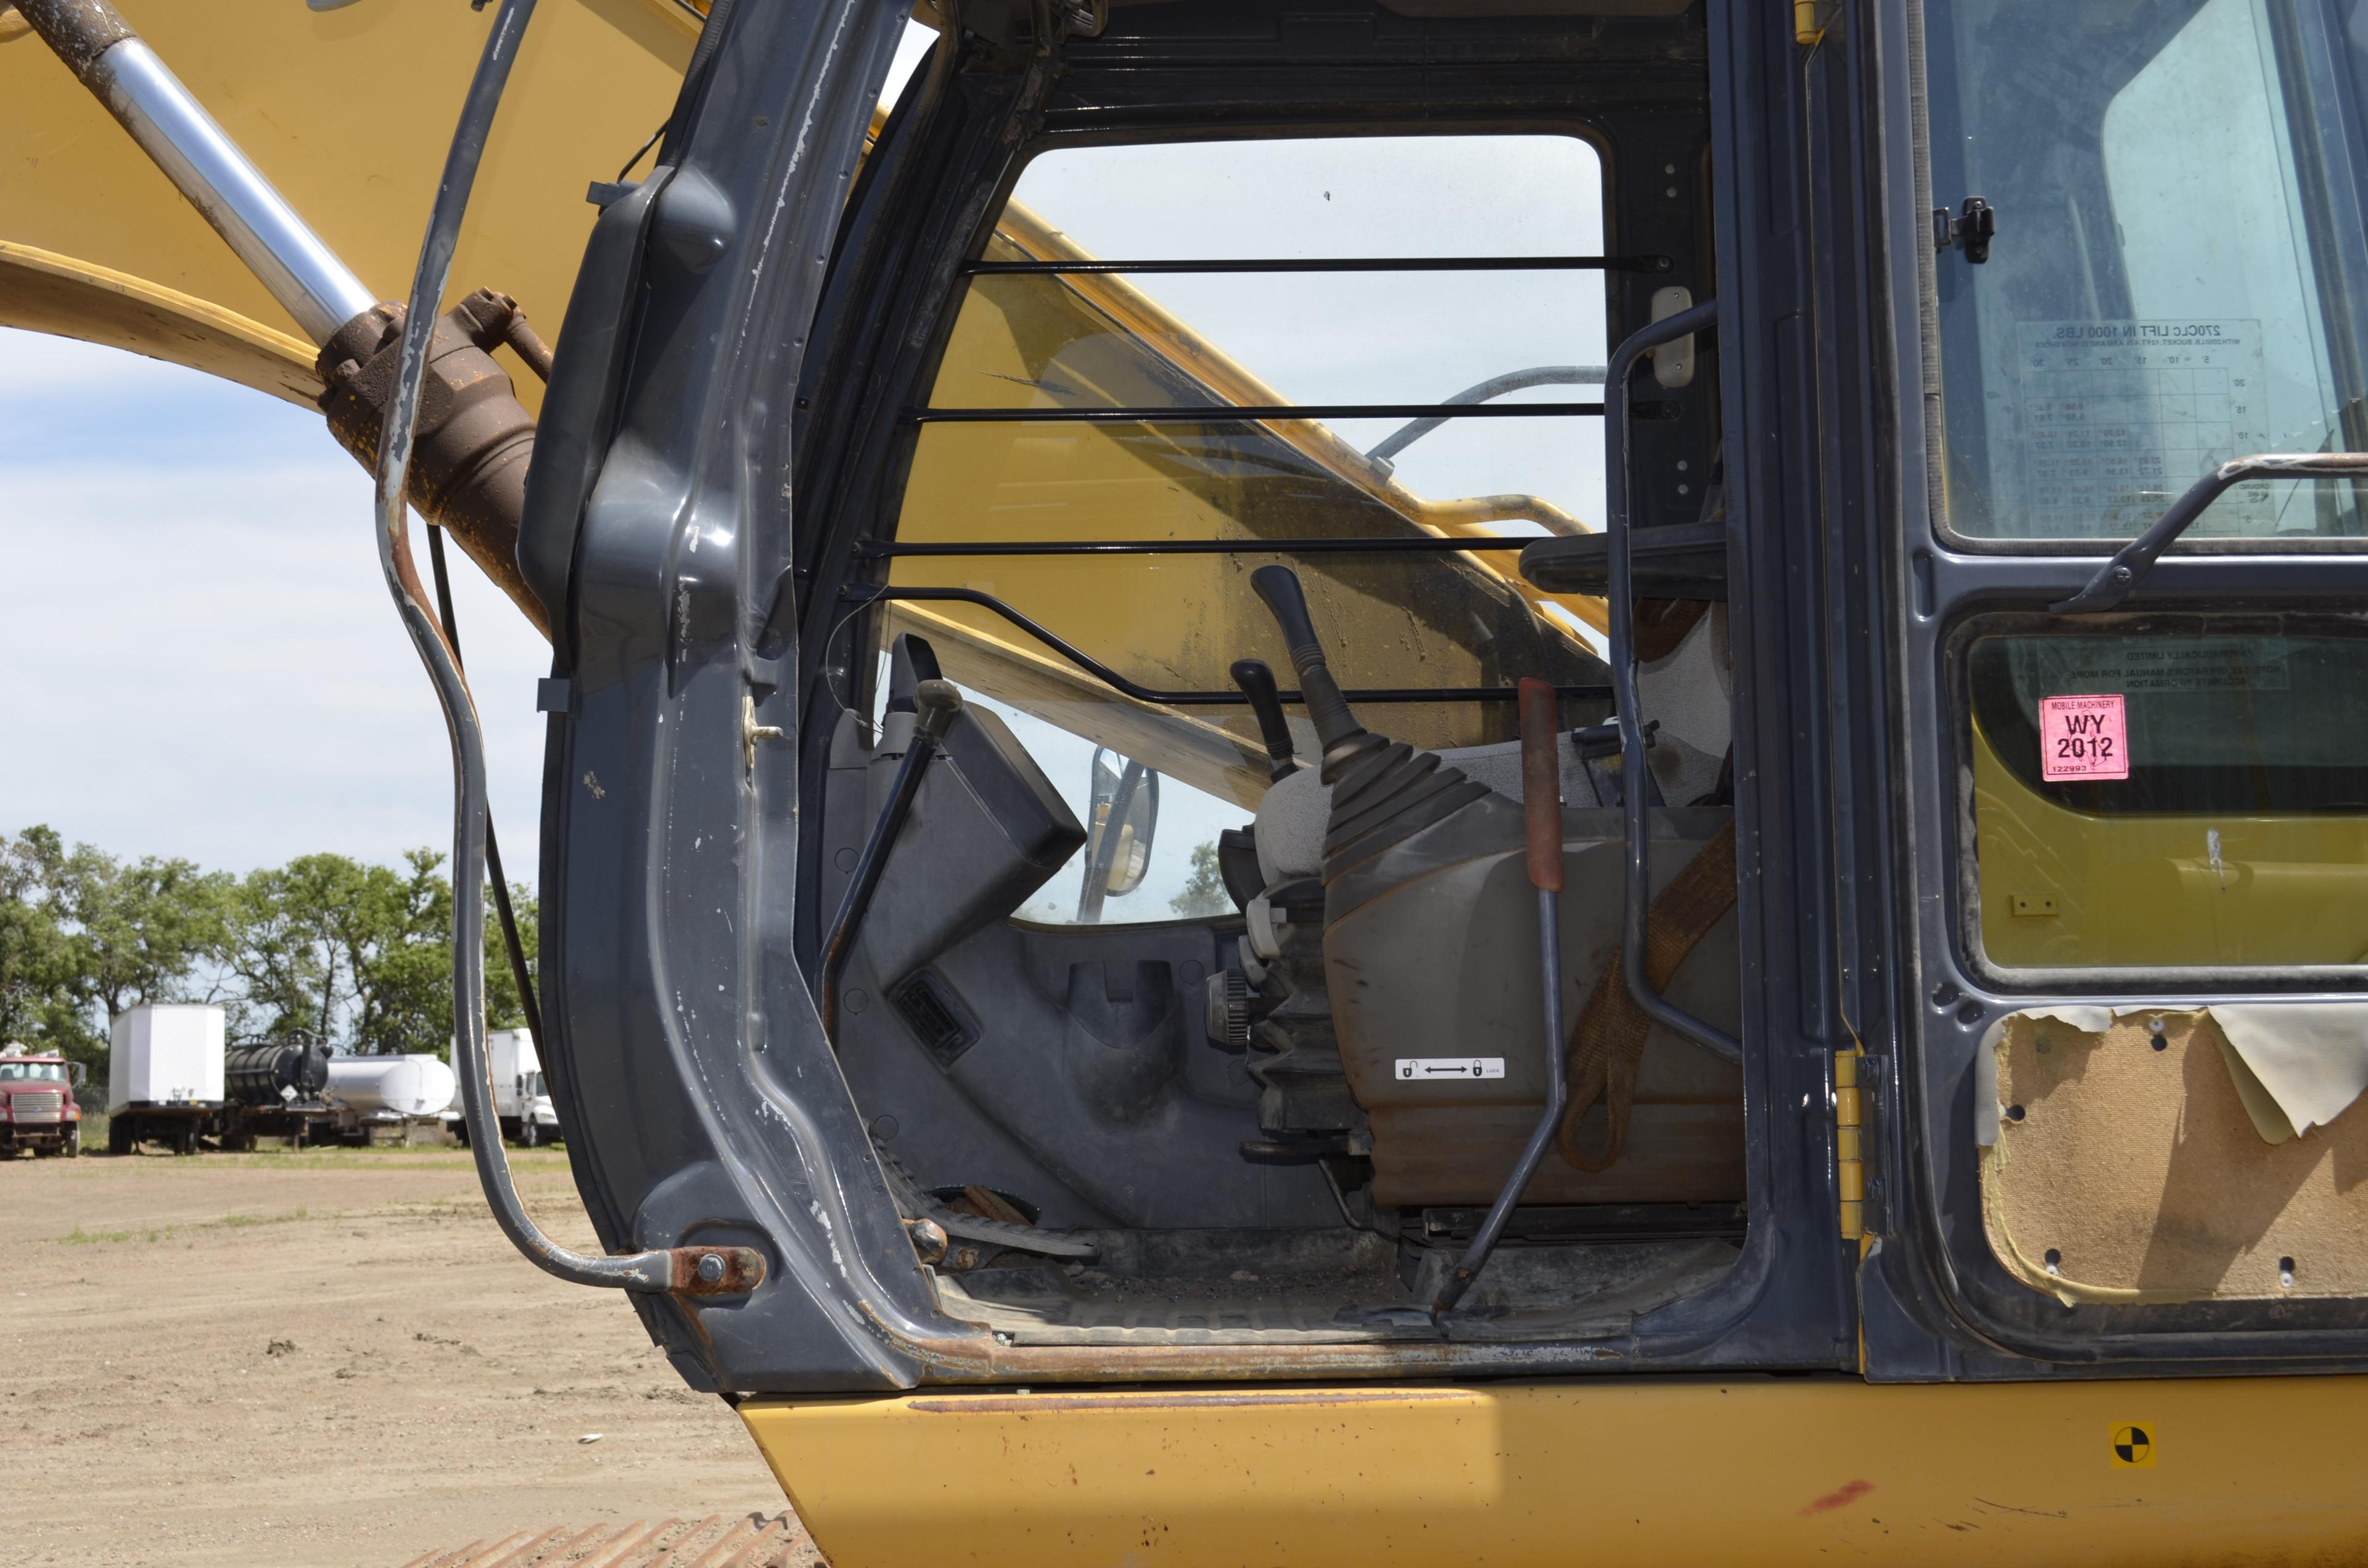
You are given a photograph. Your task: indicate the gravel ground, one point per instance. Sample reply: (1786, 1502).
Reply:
(326, 1358)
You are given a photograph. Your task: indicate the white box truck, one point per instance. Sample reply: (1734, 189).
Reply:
(521, 1098)
(163, 1075)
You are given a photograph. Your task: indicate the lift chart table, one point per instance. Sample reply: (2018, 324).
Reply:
(2118, 417)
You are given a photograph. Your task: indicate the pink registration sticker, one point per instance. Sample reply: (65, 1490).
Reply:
(2083, 738)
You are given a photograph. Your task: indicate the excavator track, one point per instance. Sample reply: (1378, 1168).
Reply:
(719, 1540)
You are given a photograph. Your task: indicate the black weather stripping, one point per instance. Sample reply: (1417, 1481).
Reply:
(1125, 687)
(1408, 544)
(1337, 263)
(1235, 413)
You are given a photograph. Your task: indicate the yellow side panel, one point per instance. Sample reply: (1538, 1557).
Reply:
(1637, 1474)
(349, 113)
(2068, 889)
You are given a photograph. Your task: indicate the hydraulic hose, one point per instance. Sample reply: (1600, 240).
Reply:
(697, 1271)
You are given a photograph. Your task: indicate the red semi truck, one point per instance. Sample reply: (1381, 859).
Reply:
(37, 1103)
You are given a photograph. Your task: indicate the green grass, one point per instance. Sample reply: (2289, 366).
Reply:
(80, 1237)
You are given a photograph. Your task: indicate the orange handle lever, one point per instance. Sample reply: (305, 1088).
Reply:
(1541, 783)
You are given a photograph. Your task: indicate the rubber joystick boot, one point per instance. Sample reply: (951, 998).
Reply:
(1382, 791)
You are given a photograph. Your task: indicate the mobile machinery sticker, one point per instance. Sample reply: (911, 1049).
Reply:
(1421, 1067)
(2132, 1446)
(2084, 737)
(2118, 417)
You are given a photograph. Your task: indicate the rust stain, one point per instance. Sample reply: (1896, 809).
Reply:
(1842, 1497)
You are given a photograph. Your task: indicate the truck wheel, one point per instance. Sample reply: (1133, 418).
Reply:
(530, 1135)
(74, 1143)
(118, 1135)
(185, 1142)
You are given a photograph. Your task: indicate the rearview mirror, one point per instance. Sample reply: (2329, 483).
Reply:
(1121, 815)
(76, 1073)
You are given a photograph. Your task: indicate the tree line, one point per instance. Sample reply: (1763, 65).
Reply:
(351, 953)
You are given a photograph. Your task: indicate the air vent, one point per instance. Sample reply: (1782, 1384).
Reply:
(935, 1015)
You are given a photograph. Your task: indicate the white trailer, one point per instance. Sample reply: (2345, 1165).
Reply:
(521, 1098)
(380, 1095)
(163, 1075)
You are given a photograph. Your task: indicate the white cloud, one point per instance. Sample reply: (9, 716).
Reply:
(204, 658)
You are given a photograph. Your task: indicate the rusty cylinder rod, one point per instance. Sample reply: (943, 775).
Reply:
(472, 451)
(303, 274)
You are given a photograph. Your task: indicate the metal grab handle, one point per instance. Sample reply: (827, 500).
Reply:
(937, 704)
(2119, 578)
(1542, 813)
(1636, 905)
(693, 1271)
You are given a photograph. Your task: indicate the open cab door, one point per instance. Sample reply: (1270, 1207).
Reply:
(2139, 800)
(1246, 756)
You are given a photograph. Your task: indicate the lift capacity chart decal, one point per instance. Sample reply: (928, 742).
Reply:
(2084, 737)
(2120, 416)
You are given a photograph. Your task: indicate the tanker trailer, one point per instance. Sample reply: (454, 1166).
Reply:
(273, 1089)
(387, 1099)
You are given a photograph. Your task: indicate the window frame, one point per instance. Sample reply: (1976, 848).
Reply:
(1943, 531)
(2153, 979)
(880, 523)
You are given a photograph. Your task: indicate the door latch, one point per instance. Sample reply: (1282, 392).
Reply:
(1971, 230)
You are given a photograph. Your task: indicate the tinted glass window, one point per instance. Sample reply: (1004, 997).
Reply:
(2179, 268)
(2184, 790)
(1318, 340)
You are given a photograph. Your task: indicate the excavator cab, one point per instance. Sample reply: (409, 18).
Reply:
(1035, 838)
(1326, 779)
(1121, 934)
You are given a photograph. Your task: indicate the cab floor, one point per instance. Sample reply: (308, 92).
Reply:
(1252, 1288)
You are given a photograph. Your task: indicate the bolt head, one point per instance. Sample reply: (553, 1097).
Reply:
(710, 1269)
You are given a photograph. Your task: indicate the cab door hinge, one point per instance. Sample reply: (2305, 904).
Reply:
(1850, 1165)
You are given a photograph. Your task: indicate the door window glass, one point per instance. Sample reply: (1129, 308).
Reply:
(2179, 267)
(1021, 341)
(2172, 790)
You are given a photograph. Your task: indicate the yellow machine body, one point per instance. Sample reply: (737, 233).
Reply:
(346, 112)
(1644, 1473)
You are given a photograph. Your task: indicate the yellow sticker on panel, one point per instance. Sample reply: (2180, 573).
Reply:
(2133, 1447)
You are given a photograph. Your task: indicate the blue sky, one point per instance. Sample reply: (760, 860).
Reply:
(205, 661)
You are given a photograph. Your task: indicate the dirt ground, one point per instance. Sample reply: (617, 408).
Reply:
(325, 1358)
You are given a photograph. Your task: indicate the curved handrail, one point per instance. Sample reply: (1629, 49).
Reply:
(2117, 579)
(1636, 900)
(1406, 435)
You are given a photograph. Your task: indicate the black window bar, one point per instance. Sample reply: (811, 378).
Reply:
(1410, 544)
(1329, 264)
(866, 593)
(1243, 414)
(1427, 415)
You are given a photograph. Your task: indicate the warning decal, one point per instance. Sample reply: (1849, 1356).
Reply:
(1417, 1068)
(2084, 737)
(2133, 1447)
